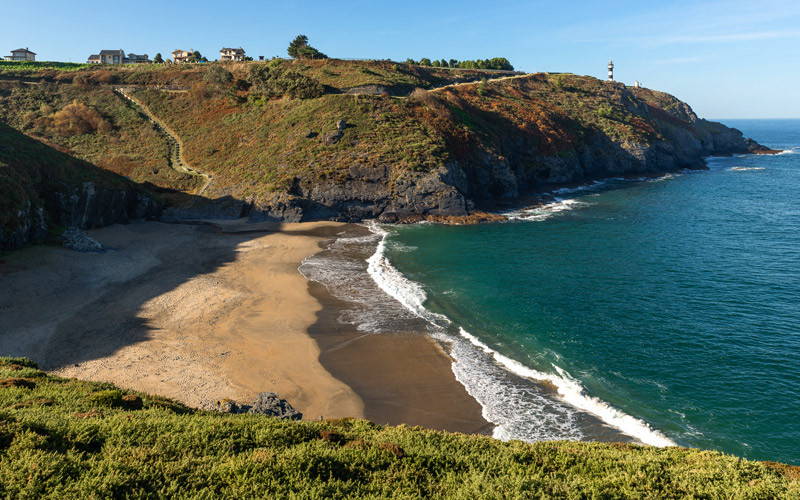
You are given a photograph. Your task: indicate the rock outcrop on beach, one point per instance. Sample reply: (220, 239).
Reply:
(449, 149)
(266, 403)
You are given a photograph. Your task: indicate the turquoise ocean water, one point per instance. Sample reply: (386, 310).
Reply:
(667, 309)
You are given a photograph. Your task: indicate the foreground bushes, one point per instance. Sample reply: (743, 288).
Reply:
(72, 439)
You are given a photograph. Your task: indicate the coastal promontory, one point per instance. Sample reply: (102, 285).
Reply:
(296, 140)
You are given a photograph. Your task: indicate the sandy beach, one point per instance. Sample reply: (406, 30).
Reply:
(198, 313)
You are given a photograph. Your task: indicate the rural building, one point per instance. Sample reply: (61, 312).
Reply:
(117, 57)
(226, 54)
(21, 55)
(138, 59)
(181, 56)
(108, 57)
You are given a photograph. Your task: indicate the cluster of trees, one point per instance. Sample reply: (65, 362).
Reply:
(493, 63)
(300, 49)
(275, 81)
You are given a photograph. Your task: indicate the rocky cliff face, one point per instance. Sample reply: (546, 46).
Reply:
(42, 189)
(85, 206)
(663, 134)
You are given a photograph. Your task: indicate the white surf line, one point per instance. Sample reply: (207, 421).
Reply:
(412, 296)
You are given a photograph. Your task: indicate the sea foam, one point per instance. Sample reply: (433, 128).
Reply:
(518, 412)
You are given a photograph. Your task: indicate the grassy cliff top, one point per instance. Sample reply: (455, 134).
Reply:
(75, 439)
(334, 73)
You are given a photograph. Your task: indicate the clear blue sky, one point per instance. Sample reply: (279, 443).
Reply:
(728, 59)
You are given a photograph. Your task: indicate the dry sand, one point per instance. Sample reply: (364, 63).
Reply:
(193, 314)
(176, 310)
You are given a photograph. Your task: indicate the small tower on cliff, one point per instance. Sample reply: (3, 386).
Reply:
(610, 71)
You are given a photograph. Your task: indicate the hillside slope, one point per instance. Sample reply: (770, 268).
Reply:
(442, 152)
(350, 140)
(43, 189)
(74, 439)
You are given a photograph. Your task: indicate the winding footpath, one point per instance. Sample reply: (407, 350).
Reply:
(176, 159)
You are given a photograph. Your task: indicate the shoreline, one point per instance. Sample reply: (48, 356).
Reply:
(200, 313)
(401, 377)
(180, 311)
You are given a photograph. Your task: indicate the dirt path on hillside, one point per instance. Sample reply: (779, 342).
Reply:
(177, 161)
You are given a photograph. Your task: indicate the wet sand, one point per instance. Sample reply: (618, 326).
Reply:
(402, 377)
(197, 315)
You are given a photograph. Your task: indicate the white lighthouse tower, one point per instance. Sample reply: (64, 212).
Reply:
(610, 71)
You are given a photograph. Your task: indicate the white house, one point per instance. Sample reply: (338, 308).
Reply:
(227, 54)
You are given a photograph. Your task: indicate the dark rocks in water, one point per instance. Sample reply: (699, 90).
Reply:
(332, 137)
(268, 403)
(76, 239)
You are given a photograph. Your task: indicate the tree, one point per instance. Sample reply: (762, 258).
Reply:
(158, 59)
(300, 49)
(453, 63)
(197, 57)
(411, 61)
(425, 62)
(436, 63)
(294, 48)
(443, 63)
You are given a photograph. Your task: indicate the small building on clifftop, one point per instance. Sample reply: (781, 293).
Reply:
(21, 55)
(227, 54)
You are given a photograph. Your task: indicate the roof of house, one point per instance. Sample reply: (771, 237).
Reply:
(137, 55)
(23, 50)
(112, 52)
(236, 51)
(94, 56)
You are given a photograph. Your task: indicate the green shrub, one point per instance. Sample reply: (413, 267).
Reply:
(53, 444)
(604, 112)
(272, 82)
(217, 75)
(111, 398)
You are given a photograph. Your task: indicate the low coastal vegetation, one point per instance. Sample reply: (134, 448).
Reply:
(64, 438)
(495, 63)
(319, 138)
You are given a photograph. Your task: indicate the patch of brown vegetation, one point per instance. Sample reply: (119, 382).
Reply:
(31, 402)
(132, 402)
(393, 448)
(790, 471)
(78, 118)
(17, 382)
(332, 437)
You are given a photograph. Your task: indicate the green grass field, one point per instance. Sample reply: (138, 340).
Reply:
(74, 439)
